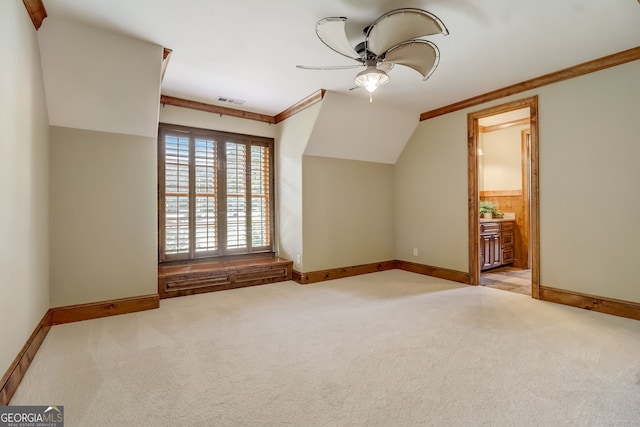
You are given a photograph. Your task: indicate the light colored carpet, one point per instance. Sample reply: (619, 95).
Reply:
(384, 349)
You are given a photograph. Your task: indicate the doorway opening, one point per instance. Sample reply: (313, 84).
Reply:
(503, 186)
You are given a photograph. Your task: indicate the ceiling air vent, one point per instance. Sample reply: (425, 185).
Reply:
(228, 100)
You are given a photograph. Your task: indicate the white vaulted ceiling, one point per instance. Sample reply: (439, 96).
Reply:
(249, 49)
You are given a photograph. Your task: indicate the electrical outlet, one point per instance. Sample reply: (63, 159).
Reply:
(415, 251)
(298, 258)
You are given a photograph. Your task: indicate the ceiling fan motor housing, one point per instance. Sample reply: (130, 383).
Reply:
(364, 53)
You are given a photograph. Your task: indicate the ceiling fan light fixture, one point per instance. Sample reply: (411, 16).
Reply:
(371, 79)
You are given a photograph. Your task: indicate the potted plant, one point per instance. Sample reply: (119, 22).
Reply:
(487, 209)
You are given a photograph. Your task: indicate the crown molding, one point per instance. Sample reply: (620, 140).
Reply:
(547, 79)
(216, 109)
(36, 11)
(224, 111)
(166, 56)
(300, 105)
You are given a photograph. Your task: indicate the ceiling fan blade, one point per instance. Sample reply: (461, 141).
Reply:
(421, 55)
(331, 31)
(401, 25)
(330, 67)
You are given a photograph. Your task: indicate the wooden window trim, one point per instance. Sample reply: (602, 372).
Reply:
(500, 126)
(220, 253)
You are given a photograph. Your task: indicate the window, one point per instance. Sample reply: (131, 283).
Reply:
(215, 193)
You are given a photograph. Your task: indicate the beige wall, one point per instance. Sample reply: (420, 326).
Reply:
(589, 200)
(348, 212)
(500, 166)
(24, 149)
(202, 119)
(292, 137)
(431, 194)
(103, 216)
(589, 175)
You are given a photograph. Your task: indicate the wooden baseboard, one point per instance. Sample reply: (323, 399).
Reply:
(439, 272)
(12, 378)
(75, 313)
(338, 273)
(612, 306)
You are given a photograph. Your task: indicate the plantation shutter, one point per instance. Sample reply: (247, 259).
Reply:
(177, 239)
(206, 195)
(260, 196)
(236, 195)
(216, 193)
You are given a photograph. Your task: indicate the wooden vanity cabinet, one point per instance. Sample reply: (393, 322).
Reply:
(490, 246)
(496, 244)
(506, 235)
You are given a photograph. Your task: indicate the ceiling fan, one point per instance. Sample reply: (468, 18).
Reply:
(393, 38)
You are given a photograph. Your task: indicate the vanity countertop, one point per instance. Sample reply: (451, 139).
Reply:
(496, 219)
